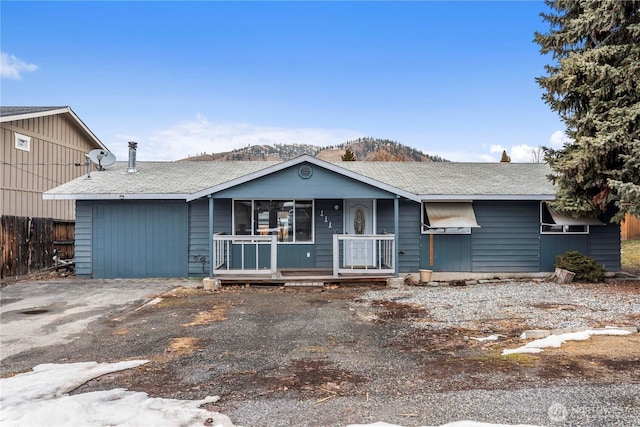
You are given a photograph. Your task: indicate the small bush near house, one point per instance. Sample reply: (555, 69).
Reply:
(586, 269)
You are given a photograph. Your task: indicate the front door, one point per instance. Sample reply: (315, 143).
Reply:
(358, 221)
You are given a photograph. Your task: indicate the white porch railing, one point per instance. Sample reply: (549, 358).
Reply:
(352, 254)
(223, 260)
(363, 253)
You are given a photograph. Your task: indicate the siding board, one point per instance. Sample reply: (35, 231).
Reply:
(605, 245)
(323, 235)
(287, 184)
(509, 237)
(409, 236)
(199, 238)
(146, 239)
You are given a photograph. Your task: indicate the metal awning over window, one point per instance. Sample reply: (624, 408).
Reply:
(558, 218)
(446, 215)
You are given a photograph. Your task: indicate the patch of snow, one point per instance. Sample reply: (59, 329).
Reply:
(41, 397)
(489, 338)
(555, 341)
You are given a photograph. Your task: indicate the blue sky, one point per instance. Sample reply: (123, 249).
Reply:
(454, 79)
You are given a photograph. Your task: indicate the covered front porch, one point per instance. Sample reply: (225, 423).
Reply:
(355, 258)
(311, 217)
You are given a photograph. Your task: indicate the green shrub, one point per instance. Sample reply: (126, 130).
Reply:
(586, 269)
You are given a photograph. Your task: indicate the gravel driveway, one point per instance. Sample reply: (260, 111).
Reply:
(281, 357)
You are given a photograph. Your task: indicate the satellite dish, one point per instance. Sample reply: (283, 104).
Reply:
(101, 158)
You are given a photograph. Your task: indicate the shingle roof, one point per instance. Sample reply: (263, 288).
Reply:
(425, 180)
(444, 178)
(167, 179)
(18, 111)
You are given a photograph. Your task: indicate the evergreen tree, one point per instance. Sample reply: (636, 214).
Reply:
(594, 85)
(348, 156)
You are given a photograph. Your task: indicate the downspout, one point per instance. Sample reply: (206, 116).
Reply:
(396, 232)
(210, 237)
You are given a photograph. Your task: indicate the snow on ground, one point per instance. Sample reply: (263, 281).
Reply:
(556, 341)
(41, 397)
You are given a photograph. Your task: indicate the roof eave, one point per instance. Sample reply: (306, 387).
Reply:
(25, 116)
(115, 196)
(471, 197)
(65, 110)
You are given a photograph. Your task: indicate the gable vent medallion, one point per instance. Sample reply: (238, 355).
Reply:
(305, 171)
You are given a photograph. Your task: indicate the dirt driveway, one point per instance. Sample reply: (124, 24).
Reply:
(281, 357)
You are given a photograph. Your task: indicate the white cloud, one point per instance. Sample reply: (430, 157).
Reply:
(522, 153)
(463, 156)
(199, 135)
(12, 67)
(558, 139)
(496, 149)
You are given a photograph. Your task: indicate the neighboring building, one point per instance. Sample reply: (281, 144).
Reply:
(40, 149)
(343, 218)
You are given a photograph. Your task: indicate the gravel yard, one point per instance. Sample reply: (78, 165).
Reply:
(527, 305)
(282, 357)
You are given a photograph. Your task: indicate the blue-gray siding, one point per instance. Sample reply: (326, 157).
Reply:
(287, 184)
(171, 239)
(145, 239)
(604, 246)
(199, 238)
(83, 230)
(452, 252)
(409, 231)
(552, 245)
(324, 234)
(509, 237)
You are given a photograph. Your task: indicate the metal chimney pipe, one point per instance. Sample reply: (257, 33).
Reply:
(132, 157)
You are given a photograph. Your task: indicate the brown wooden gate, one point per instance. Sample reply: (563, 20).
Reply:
(630, 228)
(27, 244)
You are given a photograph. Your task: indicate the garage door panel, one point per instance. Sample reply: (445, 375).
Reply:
(140, 240)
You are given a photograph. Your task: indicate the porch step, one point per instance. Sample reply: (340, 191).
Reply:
(304, 284)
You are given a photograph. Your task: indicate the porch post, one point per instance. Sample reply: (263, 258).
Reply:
(210, 237)
(274, 256)
(396, 233)
(336, 255)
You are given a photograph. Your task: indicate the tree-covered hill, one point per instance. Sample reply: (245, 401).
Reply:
(369, 149)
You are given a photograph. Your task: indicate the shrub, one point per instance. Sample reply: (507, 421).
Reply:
(586, 269)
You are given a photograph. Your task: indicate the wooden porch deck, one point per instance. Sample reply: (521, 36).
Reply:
(306, 277)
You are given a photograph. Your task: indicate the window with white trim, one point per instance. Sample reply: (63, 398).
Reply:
(448, 218)
(290, 220)
(555, 222)
(22, 142)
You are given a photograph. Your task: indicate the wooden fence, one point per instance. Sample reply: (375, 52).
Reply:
(27, 244)
(630, 228)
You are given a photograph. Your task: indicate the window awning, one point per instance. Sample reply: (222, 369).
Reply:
(444, 215)
(560, 218)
